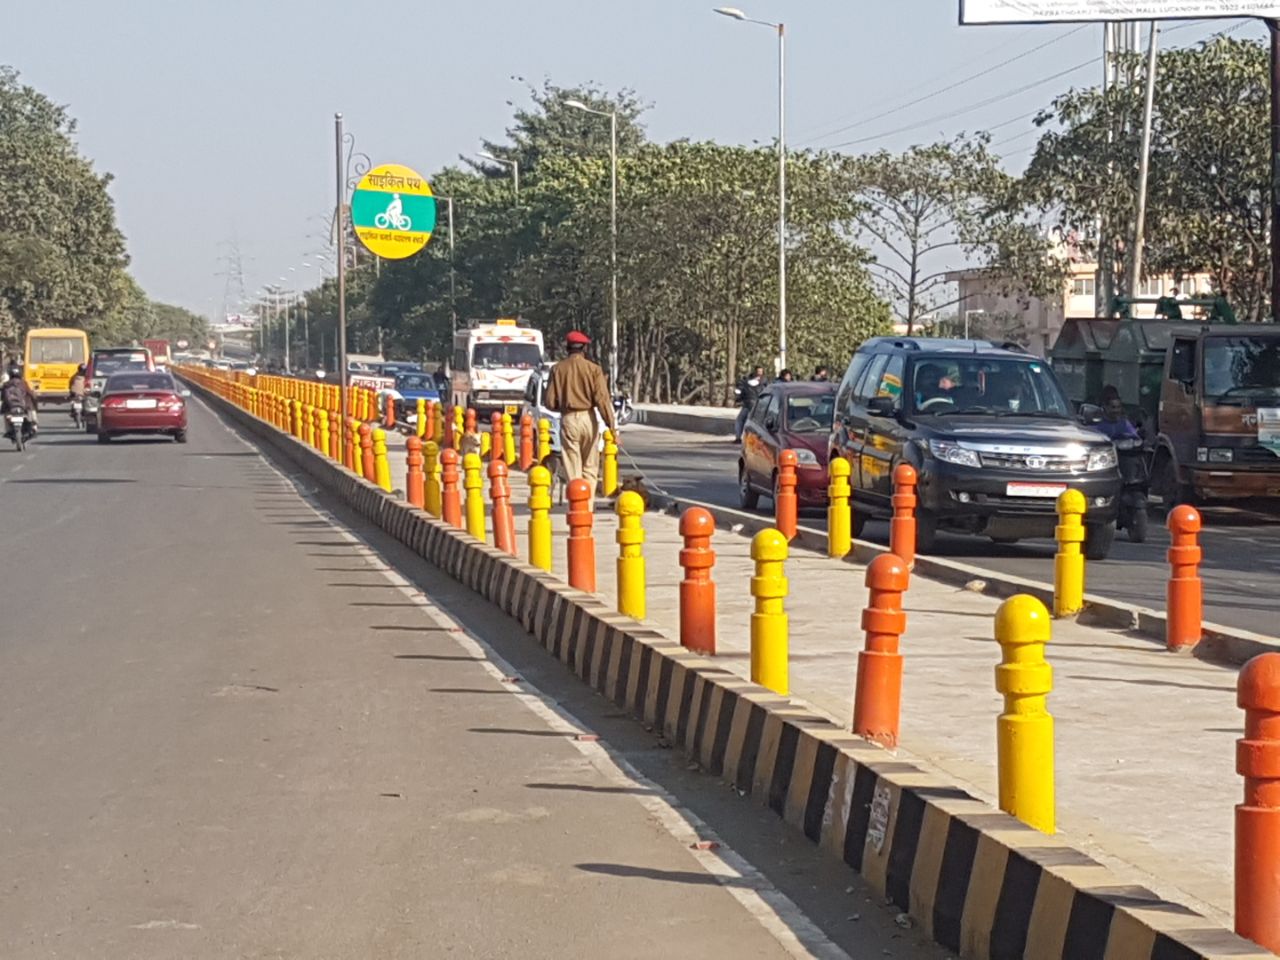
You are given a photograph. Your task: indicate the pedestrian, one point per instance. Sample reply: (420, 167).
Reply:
(748, 392)
(578, 390)
(821, 374)
(786, 376)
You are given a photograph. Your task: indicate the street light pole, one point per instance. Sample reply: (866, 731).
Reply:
(780, 28)
(340, 198)
(513, 164)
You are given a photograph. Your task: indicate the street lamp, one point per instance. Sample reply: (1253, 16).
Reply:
(453, 310)
(285, 300)
(513, 164)
(613, 232)
(736, 14)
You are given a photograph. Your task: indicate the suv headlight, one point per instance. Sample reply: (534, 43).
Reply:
(1221, 455)
(806, 458)
(1101, 458)
(950, 452)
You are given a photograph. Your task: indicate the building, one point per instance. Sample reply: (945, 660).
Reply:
(987, 309)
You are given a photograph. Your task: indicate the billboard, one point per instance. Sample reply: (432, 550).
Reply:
(1068, 11)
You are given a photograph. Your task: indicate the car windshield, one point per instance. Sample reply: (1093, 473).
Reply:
(57, 350)
(947, 386)
(1241, 368)
(810, 414)
(415, 381)
(137, 382)
(521, 356)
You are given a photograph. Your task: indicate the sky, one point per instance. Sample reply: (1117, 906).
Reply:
(215, 117)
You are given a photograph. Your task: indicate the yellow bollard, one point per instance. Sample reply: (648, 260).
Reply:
(382, 469)
(486, 445)
(540, 518)
(420, 426)
(508, 440)
(322, 431)
(459, 426)
(1068, 565)
(769, 622)
(839, 511)
(437, 423)
(1024, 732)
(296, 406)
(609, 475)
(431, 483)
(630, 536)
(474, 484)
(544, 439)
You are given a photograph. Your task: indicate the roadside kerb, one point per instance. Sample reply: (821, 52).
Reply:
(1220, 644)
(718, 421)
(978, 881)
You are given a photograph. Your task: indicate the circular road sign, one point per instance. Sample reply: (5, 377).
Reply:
(393, 211)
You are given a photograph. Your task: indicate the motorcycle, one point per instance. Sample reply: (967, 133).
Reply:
(1135, 488)
(622, 409)
(77, 411)
(18, 428)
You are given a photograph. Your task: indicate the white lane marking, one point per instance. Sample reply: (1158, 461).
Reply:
(771, 908)
(164, 925)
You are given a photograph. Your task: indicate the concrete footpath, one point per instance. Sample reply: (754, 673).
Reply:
(1145, 739)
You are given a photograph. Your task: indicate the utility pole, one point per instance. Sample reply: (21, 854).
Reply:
(1144, 164)
(341, 333)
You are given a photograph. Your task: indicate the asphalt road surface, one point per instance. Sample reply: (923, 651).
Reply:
(1241, 570)
(229, 731)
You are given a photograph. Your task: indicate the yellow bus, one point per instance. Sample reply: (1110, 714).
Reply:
(50, 356)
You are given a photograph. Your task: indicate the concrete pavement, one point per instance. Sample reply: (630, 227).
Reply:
(1242, 549)
(228, 732)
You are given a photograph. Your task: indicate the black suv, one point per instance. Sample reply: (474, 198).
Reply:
(989, 431)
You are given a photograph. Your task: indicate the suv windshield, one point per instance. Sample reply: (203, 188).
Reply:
(415, 381)
(522, 356)
(810, 414)
(110, 363)
(1241, 368)
(944, 386)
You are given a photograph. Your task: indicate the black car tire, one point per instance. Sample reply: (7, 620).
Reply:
(1136, 529)
(748, 499)
(1098, 538)
(180, 436)
(926, 532)
(90, 426)
(858, 522)
(104, 437)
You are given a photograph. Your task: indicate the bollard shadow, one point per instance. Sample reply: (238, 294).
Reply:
(412, 628)
(379, 603)
(1153, 683)
(466, 690)
(512, 731)
(665, 876)
(326, 543)
(588, 788)
(368, 586)
(446, 657)
(74, 480)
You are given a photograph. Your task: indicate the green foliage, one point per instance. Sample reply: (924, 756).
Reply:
(1208, 193)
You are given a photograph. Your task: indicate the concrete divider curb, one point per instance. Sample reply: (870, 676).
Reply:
(978, 881)
(656, 416)
(1221, 644)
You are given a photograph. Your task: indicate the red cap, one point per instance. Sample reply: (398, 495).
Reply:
(577, 336)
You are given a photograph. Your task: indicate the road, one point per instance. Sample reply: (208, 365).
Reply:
(1241, 570)
(230, 729)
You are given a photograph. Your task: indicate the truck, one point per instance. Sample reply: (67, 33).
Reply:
(492, 363)
(159, 352)
(1205, 393)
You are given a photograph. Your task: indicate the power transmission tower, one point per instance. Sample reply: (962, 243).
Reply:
(233, 289)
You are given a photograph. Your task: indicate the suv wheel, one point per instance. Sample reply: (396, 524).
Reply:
(748, 499)
(859, 524)
(1098, 538)
(926, 532)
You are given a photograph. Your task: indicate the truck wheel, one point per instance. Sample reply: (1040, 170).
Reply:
(1098, 538)
(1165, 483)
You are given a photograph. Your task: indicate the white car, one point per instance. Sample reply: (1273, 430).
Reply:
(533, 405)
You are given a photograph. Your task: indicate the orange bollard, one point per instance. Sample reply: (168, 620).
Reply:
(1257, 867)
(450, 495)
(582, 544)
(697, 589)
(785, 504)
(389, 411)
(902, 528)
(504, 518)
(526, 442)
(877, 699)
(367, 462)
(415, 480)
(469, 423)
(1184, 598)
(495, 436)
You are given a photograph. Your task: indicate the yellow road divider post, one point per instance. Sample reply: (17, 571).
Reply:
(609, 475)
(1024, 731)
(508, 440)
(839, 512)
(540, 518)
(769, 622)
(1068, 565)
(431, 481)
(381, 468)
(473, 482)
(420, 422)
(544, 439)
(630, 536)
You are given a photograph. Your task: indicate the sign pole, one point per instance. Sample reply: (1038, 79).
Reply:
(342, 279)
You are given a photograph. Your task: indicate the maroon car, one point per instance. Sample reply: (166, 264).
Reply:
(795, 416)
(142, 402)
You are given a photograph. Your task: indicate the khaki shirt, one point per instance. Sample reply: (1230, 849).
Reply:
(578, 384)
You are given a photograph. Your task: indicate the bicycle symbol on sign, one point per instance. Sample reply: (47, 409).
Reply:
(394, 216)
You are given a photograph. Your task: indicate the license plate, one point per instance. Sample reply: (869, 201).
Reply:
(141, 404)
(1035, 489)
(512, 409)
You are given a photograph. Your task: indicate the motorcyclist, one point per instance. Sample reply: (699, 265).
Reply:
(76, 386)
(16, 394)
(1115, 424)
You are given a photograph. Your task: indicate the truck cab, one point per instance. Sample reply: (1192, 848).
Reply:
(492, 364)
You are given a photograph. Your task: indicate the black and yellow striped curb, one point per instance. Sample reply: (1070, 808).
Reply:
(981, 883)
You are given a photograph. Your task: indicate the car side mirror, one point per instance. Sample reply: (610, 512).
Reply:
(1090, 413)
(771, 424)
(882, 406)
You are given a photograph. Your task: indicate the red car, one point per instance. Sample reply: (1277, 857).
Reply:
(142, 402)
(796, 416)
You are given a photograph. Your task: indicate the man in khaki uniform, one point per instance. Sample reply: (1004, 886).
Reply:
(576, 390)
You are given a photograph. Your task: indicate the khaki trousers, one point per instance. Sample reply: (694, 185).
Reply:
(579, 449)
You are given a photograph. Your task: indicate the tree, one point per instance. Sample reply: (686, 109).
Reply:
(1209, 186)
(931, 209)
(62, 258)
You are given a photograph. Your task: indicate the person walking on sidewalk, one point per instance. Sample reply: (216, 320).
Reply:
(749, 388)
(577, 390)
